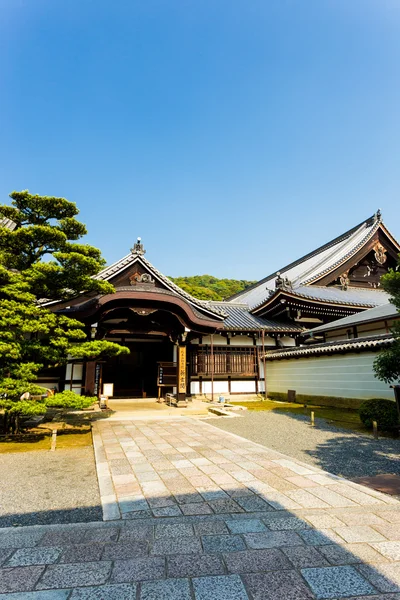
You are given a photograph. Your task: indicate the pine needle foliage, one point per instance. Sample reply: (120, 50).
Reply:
(40, 259)
(387, 364)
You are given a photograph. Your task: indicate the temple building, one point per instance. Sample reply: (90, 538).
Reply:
(186, 346)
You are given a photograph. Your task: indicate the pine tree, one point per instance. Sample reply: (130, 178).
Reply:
(387, 364)
(40, 259)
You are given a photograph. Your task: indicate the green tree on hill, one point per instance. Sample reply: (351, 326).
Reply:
(207, 287)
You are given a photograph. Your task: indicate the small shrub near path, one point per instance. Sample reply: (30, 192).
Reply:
(384, 412)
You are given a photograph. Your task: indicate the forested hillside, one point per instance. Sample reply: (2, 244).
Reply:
(207, 287)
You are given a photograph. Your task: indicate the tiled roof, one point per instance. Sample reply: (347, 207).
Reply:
(366, 298)
(316, 264)
(386, 311)
(239, 318)
(134, 257)
(339, 346)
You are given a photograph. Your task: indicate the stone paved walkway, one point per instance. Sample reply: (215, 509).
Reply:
(194, 513)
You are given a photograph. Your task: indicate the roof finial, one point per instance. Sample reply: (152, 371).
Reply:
(378, 215)
(138, 247)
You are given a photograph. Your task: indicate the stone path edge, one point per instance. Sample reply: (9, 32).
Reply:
(108, 501)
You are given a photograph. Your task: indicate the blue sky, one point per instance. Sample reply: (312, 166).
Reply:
(232, 135)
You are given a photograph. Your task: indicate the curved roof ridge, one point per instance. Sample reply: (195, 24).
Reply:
(307, 256)
(302, 279)
(348, 255)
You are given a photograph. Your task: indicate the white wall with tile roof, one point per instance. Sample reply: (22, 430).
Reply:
(345, 376)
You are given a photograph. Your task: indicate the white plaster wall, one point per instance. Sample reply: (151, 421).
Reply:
(194, 387)
(347, 376)
(243, 387)
(241, 340)
(287, 341)
(218, 340)
(268, 341)
(369, 332)
(219, 387)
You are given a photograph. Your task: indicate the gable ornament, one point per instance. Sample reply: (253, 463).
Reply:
(141, 278)
(344, 280)
(138, 247)
(380, 253)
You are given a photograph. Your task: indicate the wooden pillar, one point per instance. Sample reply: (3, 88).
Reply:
(90, 378)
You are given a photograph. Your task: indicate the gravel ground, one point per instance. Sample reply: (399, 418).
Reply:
(325, 446)
(48, 487)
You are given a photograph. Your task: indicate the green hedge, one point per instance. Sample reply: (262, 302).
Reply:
(384, 412)
(68, 399)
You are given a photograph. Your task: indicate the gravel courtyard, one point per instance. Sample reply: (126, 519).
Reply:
(331, 448)
(48, 487)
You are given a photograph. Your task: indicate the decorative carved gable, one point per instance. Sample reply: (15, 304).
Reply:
(368, 271)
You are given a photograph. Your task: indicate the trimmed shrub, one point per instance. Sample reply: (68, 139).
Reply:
(384, 412)
(68, 399)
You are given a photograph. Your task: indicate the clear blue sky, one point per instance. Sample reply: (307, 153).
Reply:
(232, 135)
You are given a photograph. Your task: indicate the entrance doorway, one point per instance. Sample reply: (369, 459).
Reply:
(134, 375)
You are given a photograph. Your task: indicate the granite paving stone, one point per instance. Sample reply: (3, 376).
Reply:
(6, 552)
(278, 585)
(321, 537)
(390, 550)
(253, 504)
(63, 537)
(272, 539)
(194, 565)
(34, 556)
(20, 540)
(225, 506)
(117, 591)
(351, 554)
(118, 551)
(334, 582)
(74, 575)
(386, 578)
(19, 579)
(82, 553)
(138, 569)
(222, 543)
(103, 534)
(167, 589)
(359, 518)
(253, 561)
(391, 532)
(209, 527)
(42, 595)
(245, 525)
(287, 524)
(222, 587)
(167, 511)
(179, 545)
(167, 530)
(325, 521)
(135, 531)
(305, 556)
(359, 534)
(196, 509)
